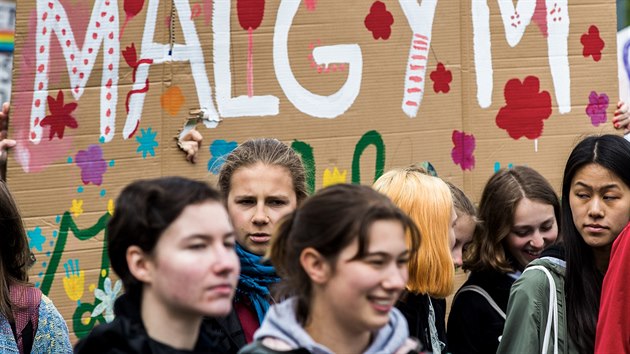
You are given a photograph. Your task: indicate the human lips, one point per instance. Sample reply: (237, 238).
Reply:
(532, 254)
(222, 289)
(595, 228)
(382, 304)
(259, 237)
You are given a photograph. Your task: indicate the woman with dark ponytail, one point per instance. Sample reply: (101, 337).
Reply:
(343, 259)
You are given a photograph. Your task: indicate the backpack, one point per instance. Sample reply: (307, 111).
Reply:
(25, 302)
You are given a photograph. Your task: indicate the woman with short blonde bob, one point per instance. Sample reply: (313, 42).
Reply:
(518, 214)
(429, 203)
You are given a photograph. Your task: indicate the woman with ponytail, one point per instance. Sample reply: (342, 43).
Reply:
(343, 259)
(262, 180)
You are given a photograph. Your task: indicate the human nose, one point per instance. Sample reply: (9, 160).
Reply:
(595, 209)
(260, 216)
(226, 261)
(537, 241)
(457, 258)
(396, 278)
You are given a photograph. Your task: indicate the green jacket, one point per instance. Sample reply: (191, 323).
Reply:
(529, 307)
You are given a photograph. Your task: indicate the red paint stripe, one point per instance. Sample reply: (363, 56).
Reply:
(416, 67)
(418, 57)
(411, 103)
(414, 90)
(417, 41)
(419, 48)
(415, 78)
(417, 35)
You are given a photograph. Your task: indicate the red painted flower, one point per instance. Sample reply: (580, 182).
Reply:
(379, 21)
(593, 43)
(441, 79)
(525, 108)
(462, 153)
(250, 13)
(130, 55)
(60, 116)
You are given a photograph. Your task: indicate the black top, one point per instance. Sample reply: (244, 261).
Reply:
(126, 334)
(228, 329)
(474, 326)
(415, 307)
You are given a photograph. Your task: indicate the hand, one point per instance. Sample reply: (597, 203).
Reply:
(74, 281)
(4, 121)
(622, 117)
(190, 144)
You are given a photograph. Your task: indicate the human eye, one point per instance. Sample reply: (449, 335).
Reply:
(245, 201)
(277, 202)
(197, 246)
(610, 197)
(521, 232)
(229, 242)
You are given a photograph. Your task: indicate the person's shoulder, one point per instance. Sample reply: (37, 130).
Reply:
(258, 347)
(114, 337)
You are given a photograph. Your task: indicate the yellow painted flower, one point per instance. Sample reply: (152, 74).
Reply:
(334, 177)
(77, 207)
(74, 281)
(110, 207)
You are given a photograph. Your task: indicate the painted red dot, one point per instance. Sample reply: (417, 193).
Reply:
(37, 102)
(33, 135)
(108, 113)
(36, 121)
(110, 67)
(109, 83)
(50, 4)
(112, 18)
(98, 24)
(107, 3)
(40, 86)
(44, 16)
(58, 18)
(40, 68)
(103, 14)
(76, 89)
(109, 96)
(94, 35)
(111, 51)
(44, 30)
(85, 61)
(111, 35)
(81, 75)
(90, 50)
(74, 70)
(71, 56)
(107, 130)
(68, 43)
(63, 31)
(42, 49)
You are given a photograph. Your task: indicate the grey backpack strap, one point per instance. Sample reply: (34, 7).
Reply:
(479, 290)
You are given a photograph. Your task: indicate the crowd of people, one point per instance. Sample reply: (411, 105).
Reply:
(259, 266)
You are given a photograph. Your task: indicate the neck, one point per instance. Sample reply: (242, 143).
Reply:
(174, 328)
(602, 257)
(326, 330)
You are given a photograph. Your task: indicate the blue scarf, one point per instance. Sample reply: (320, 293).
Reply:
(255, 280)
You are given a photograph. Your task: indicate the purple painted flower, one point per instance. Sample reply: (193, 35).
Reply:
(92, 165)
(596, 109)
(462, 152)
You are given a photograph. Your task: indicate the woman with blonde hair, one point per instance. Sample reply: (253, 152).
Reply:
(518, 214)
(429, 203)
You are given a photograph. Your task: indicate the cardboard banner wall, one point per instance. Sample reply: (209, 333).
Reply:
(102, 89)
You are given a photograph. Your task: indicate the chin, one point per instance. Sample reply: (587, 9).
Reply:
(219, 308)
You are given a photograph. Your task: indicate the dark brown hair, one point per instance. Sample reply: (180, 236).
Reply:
(267, 151)
(496, 215)
(328, 222)
(14, 250)
(144, 209)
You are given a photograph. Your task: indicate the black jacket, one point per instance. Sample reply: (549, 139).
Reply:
(473, 325)
(229, 329)
(415, 307)
(126, 334)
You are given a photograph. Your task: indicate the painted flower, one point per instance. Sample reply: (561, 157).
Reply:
(462, 153)
(219, 149)
(92, 165)
(525, 108)
(146, 142)
(334, 177)
(596, 108)
(107, 297)
(36, 238)
(60, 116)
(593, 44)
(441, 79)
(379, 21)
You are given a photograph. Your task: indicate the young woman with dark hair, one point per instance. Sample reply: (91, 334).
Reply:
(171, 242)
(343, 258)
(518, 218)
(29, 322)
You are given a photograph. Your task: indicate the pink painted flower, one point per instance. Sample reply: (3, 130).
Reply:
(462, 153)
(379, 21)
(596, 108)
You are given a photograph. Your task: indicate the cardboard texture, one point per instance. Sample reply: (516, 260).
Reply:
(356, 87)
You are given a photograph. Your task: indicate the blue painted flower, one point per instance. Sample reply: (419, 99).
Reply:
(36, 239)
(147, 142)
(219, 149)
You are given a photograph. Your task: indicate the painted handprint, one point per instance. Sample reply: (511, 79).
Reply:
(74, 281)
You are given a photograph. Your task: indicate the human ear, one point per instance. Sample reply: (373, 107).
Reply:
(139, 264)
(315, 265)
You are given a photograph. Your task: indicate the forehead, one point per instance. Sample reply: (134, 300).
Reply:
(596, 176)
(532, 212)
(208, 219)
(269, 177)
